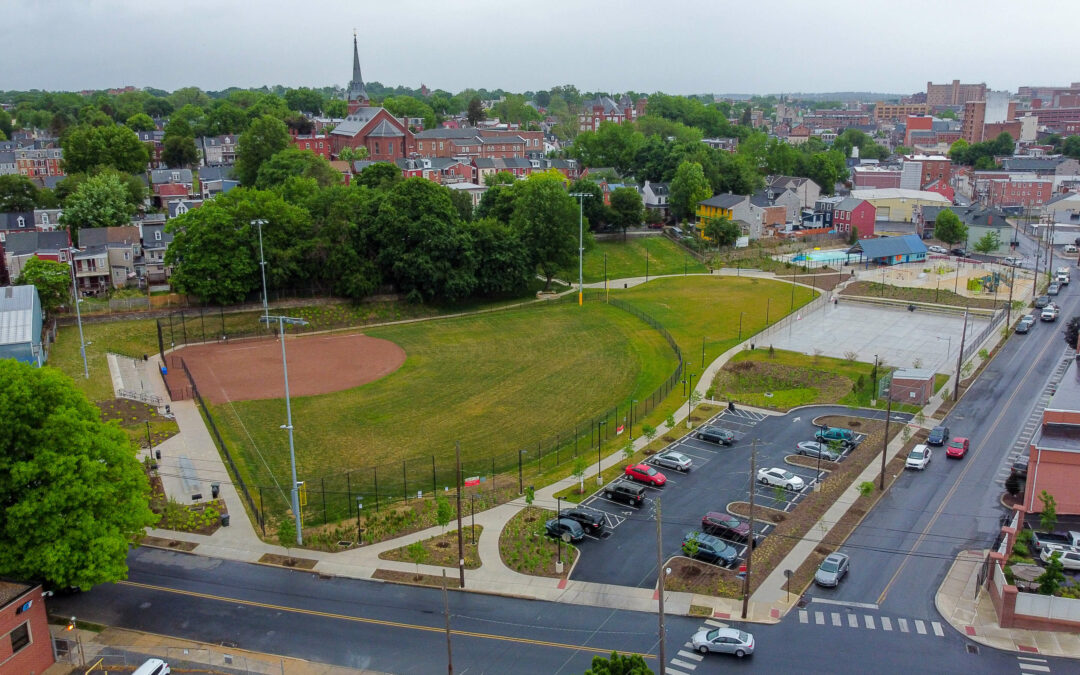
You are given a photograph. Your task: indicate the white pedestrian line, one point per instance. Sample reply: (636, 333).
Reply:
(886, 623)
(675, 672)
(715, 624)
(682, 664)
(860, 605)
(869, 621)
(903, 625)
(804, 616)
(1031, 658)
(819, 618)
(920, 627)
(690, 655)
(836, 618)
(1035, 668)
(937, 629)
(852, 621)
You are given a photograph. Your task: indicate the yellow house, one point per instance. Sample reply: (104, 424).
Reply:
(897, 204)
(718, 206)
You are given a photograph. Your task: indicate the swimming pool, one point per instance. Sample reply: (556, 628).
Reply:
(836, 255)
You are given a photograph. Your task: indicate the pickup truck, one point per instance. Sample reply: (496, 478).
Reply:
(1067, 539)
(1050, 313)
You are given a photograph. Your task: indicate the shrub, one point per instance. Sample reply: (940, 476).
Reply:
(1021, 550)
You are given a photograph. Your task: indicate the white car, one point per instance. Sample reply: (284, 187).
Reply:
(781, 477)
(1070, 557)
(918, 458)
(1050, 313)
(1070, 248)
(936, 249)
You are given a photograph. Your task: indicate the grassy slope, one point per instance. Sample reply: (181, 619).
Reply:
(627, 259)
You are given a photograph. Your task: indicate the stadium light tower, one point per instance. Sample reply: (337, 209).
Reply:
(262, 266)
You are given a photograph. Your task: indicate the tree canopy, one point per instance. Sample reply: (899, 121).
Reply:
(100, 201)
(51, 279)
(74, 495)
(546, 218)
(264, 138)
(295, 162)
(949, 228)
(688, 187)
(88, 147)
(17, 193)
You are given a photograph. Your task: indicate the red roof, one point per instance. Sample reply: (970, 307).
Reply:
(171, 190)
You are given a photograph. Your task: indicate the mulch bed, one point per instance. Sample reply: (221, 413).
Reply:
(913, 294)
(395, 576)
(287, 561)
(159, 503)
(811, 463)
(694, 576)
(171, 544)
(442, 550)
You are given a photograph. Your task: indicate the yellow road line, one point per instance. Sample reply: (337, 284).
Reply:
(376, 622)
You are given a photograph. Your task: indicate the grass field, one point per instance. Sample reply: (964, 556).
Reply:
(133, 338)
(626, 259)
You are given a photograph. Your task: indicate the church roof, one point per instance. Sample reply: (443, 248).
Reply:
(355, 122)
(386, 129)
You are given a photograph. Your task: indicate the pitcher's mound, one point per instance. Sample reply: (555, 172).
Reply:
(318, 364)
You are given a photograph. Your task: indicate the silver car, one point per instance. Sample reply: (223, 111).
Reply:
(816, 449)
(673, 460)
(724, 640)
(832, 569)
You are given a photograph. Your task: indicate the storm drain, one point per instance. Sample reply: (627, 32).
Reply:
(972, 649)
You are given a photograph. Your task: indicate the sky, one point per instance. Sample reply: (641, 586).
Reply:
(673, 46)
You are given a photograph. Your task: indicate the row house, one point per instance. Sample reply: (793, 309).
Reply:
(473, 143)
(605, 109)
(8, 166)
(386, 137)
(852, 213)
(657, 197)
(932, 168)
(218, 149)
(807, 190)
(475, 192)
(155, 242)
(155, 145)
(489, 166)
(214, 180)
(39, 162)
(171, 184)
(317, 143)
(1026, 192)
(533, 141)
(725, 144)
(179, 207)
(107, 258)
(38, 220)
(442, 170)
(17, 248)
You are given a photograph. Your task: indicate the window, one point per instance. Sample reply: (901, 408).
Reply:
(376, 147)
(20, 637)
(390, 148)
(157, 235)
(20, 221)
(44, 219)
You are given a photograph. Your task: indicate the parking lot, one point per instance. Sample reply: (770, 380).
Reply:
(625, 554)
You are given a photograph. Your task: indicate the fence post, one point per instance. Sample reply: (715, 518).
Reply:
(183, 325)
(434, 484)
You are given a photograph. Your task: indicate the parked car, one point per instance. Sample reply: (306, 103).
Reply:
(625, 491)
(1050, 313)
(723, 641)
(1069, 556)
(816, 449)
(958, 447)
(656, 226)
(826, 434)
(918, 458)
(1053, 289)
(937, 249)
(1071, 248)
(153, 667)
(1013, 261)
(1070, 539)
(832, 570)
(709, 549)
(959, 252)
(643, 473)
(673, 460)
(591, 521)
(1025, 324)
(1020, 468)
(565, 529)
(716, 435)
(1042, 301)
(782, 477)
(724, 525)
(938, 435)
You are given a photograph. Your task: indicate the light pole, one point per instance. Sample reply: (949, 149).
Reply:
(632, 407)
(78, 315)
(262, 266)
(599, 440)
(581, 244)
(689, 396)
(282, 320)
(948, 351)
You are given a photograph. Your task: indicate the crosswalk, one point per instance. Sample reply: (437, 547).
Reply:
(871, 622)
(1032, 664)
(686, 660)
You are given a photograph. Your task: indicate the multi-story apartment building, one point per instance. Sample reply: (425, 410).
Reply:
(954, 93)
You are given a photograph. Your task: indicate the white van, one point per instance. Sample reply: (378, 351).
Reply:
(153, 667)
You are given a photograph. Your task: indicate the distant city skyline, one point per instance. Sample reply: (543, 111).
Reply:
(682, 47)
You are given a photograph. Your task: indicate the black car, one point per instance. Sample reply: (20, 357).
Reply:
(565, 529)
(716, 435)
(959, 252)
(709, 548)
(591, 521)
(625, 491)
(1042, 301)
(1020, 468)
(938, 436)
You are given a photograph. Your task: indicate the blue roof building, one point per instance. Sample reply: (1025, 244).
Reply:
(890, 250)
(21, 325)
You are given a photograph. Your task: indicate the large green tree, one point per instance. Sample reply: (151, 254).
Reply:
(140, 122)
(264, 138)
(73, 495)
(502, 262)
(179, 151)
(100, 201)
(475, 112)
(721, 231)
(626, 207)
(17, 193)
(546, 219)
(688, 187)
(305, 100)
(51, 279)
(92, 147)
(294, 162)
(949, 228)
(593, 207)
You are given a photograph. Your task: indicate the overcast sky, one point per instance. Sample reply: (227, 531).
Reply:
(674, 46)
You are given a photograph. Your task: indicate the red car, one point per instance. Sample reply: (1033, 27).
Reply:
(643, 473)
(958, 447)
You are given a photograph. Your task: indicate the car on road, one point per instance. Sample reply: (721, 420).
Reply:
(708, 548)
(959, 252)
(832, 570)
(723, 641)
(1025, 324)
(781, 477)
(625, 491)
(591, 521)
(826, 434)
(816, 449)
(937, 249)
(1054, 288)
(673, 460)
(643, 473)
(958, 447)
(918, 458)
(1020, 468)
(1069, 555)
(1013, 261)
(565, 529)
(724, 525)
(938, 435)
(1042, 301)
(715, 435)
(1071, 248)
(1050, 313)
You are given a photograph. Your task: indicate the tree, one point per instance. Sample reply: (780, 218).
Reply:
(1072, 331)
(902, 150)
(503, 264)
(379, 176)
(5, 124)
(626, 207)
(475, 111)
(348, 154)
(949, 228)
(1071, 147)
(74, 495)
(286, 534)
(580, 467)
(264, 138)
(100, 201)
(854, 235)
(989, 242)
(88, 147)
(140, 122)
(463, 202)
(687, 188)
(443, 511)
(1050, 580)
(690, 545)
(305, 100)
(17, 193)
(1013, 485)
(336, 108)
(135, 190)
(545, 217)
(722, 231)
(51, 279)
(294, 162)
(1048, 517)
(649, 432)
(417, 554)
(179, 151)
(619, 664)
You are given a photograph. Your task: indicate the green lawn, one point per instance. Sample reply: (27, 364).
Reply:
(627, 259)
(133, 338)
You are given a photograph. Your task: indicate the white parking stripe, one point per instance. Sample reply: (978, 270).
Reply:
(675, 672)
(886, 623)
(1032, 667)
(903, 625)
(852, 620)
(804, 616)
(937, 629)
(819, 618)
(920, 627)
(869, 621)
(690, 655)
(682, 664)
(715, 624)
(836, 618)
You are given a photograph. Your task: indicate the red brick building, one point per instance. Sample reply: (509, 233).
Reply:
(934, 168)
(1025, 192)
(319, 144)
(875, 178)
(954, 93)
(917, 123)
(605, 109)
(25, 644)
(39, 162)
(857, 213)
(385, 136)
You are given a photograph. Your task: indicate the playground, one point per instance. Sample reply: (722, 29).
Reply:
(968, 278)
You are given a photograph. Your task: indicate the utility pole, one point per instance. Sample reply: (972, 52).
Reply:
(660, 568)
(446, 613)
(1008, 308)
(885, 443)
(750, 549)
(960, 357)
(581, 247)
(460, 541)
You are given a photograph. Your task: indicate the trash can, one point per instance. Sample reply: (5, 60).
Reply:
(215, 490)
(224, 520)
(731, 406)
(157, 454)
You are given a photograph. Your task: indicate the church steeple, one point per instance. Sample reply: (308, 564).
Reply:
(357, 95)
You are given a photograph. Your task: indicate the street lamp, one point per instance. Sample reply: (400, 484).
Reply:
(282, 320)
(689, 396)
(632, 406)
(262, 266)
(78, 315)
(599, 440)
(581, 244)
(948, 352)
